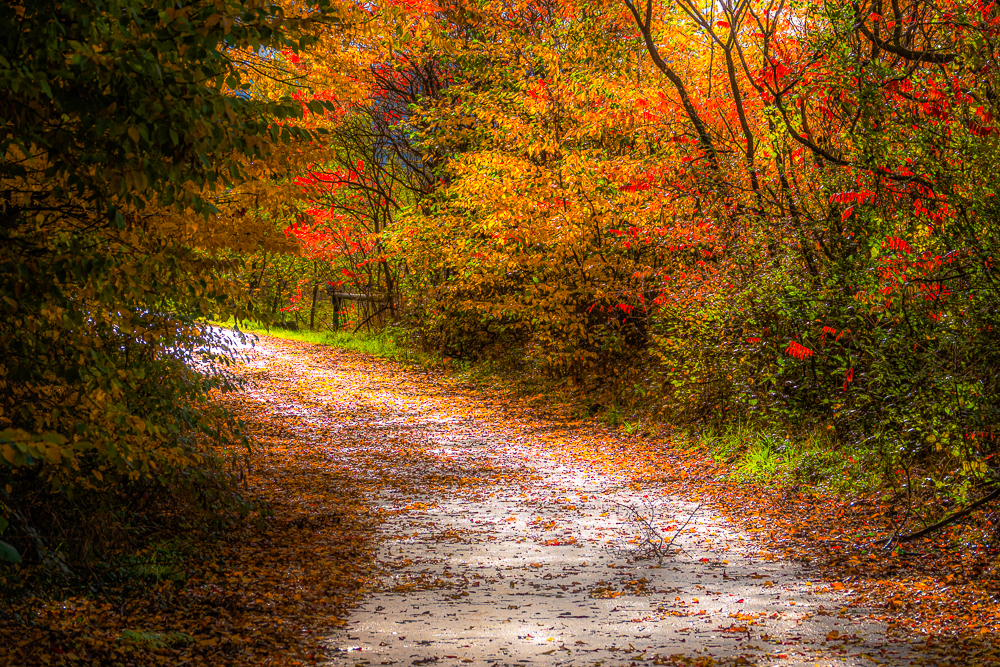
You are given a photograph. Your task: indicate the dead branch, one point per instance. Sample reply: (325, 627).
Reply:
(943, 523)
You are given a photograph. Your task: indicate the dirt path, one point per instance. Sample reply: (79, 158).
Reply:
(506, 538)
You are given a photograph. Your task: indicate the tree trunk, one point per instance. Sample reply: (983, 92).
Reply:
(312, 310)
(336, 312)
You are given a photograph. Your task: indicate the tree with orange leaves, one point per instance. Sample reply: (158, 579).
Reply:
(774, 210)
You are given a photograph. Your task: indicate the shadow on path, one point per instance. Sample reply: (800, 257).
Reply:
(502, 545)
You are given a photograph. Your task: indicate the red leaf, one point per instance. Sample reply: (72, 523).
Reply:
(846, 214)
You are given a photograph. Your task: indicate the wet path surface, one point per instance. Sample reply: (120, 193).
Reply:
(504, 540)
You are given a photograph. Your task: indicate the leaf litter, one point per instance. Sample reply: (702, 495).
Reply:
(418, 520)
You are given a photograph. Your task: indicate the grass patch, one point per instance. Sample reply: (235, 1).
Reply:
(757, 452)
(754, 453)
(385, 344)
(761, 461)
(165, 561)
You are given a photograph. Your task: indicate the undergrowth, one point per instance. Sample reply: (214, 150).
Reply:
(113, 546)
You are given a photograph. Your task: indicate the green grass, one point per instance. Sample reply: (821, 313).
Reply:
(755, 452)
(752, 452)
(386, 344)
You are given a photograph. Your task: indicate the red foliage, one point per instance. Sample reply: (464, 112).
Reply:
(798, 351)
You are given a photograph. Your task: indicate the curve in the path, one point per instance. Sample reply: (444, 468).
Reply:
(501, 549)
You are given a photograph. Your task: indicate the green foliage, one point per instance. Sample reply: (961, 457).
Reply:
(126, 127)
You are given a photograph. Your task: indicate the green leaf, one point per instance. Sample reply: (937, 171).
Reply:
(54, 438)
(9, 554)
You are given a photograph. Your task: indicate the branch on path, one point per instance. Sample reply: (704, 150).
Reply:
(653, 544)
(678, 531)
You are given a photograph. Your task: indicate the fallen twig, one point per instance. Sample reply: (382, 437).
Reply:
(653, 544)
(678, 531)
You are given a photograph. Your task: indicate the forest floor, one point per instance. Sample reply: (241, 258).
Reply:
(420, 519)
(506, 532)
